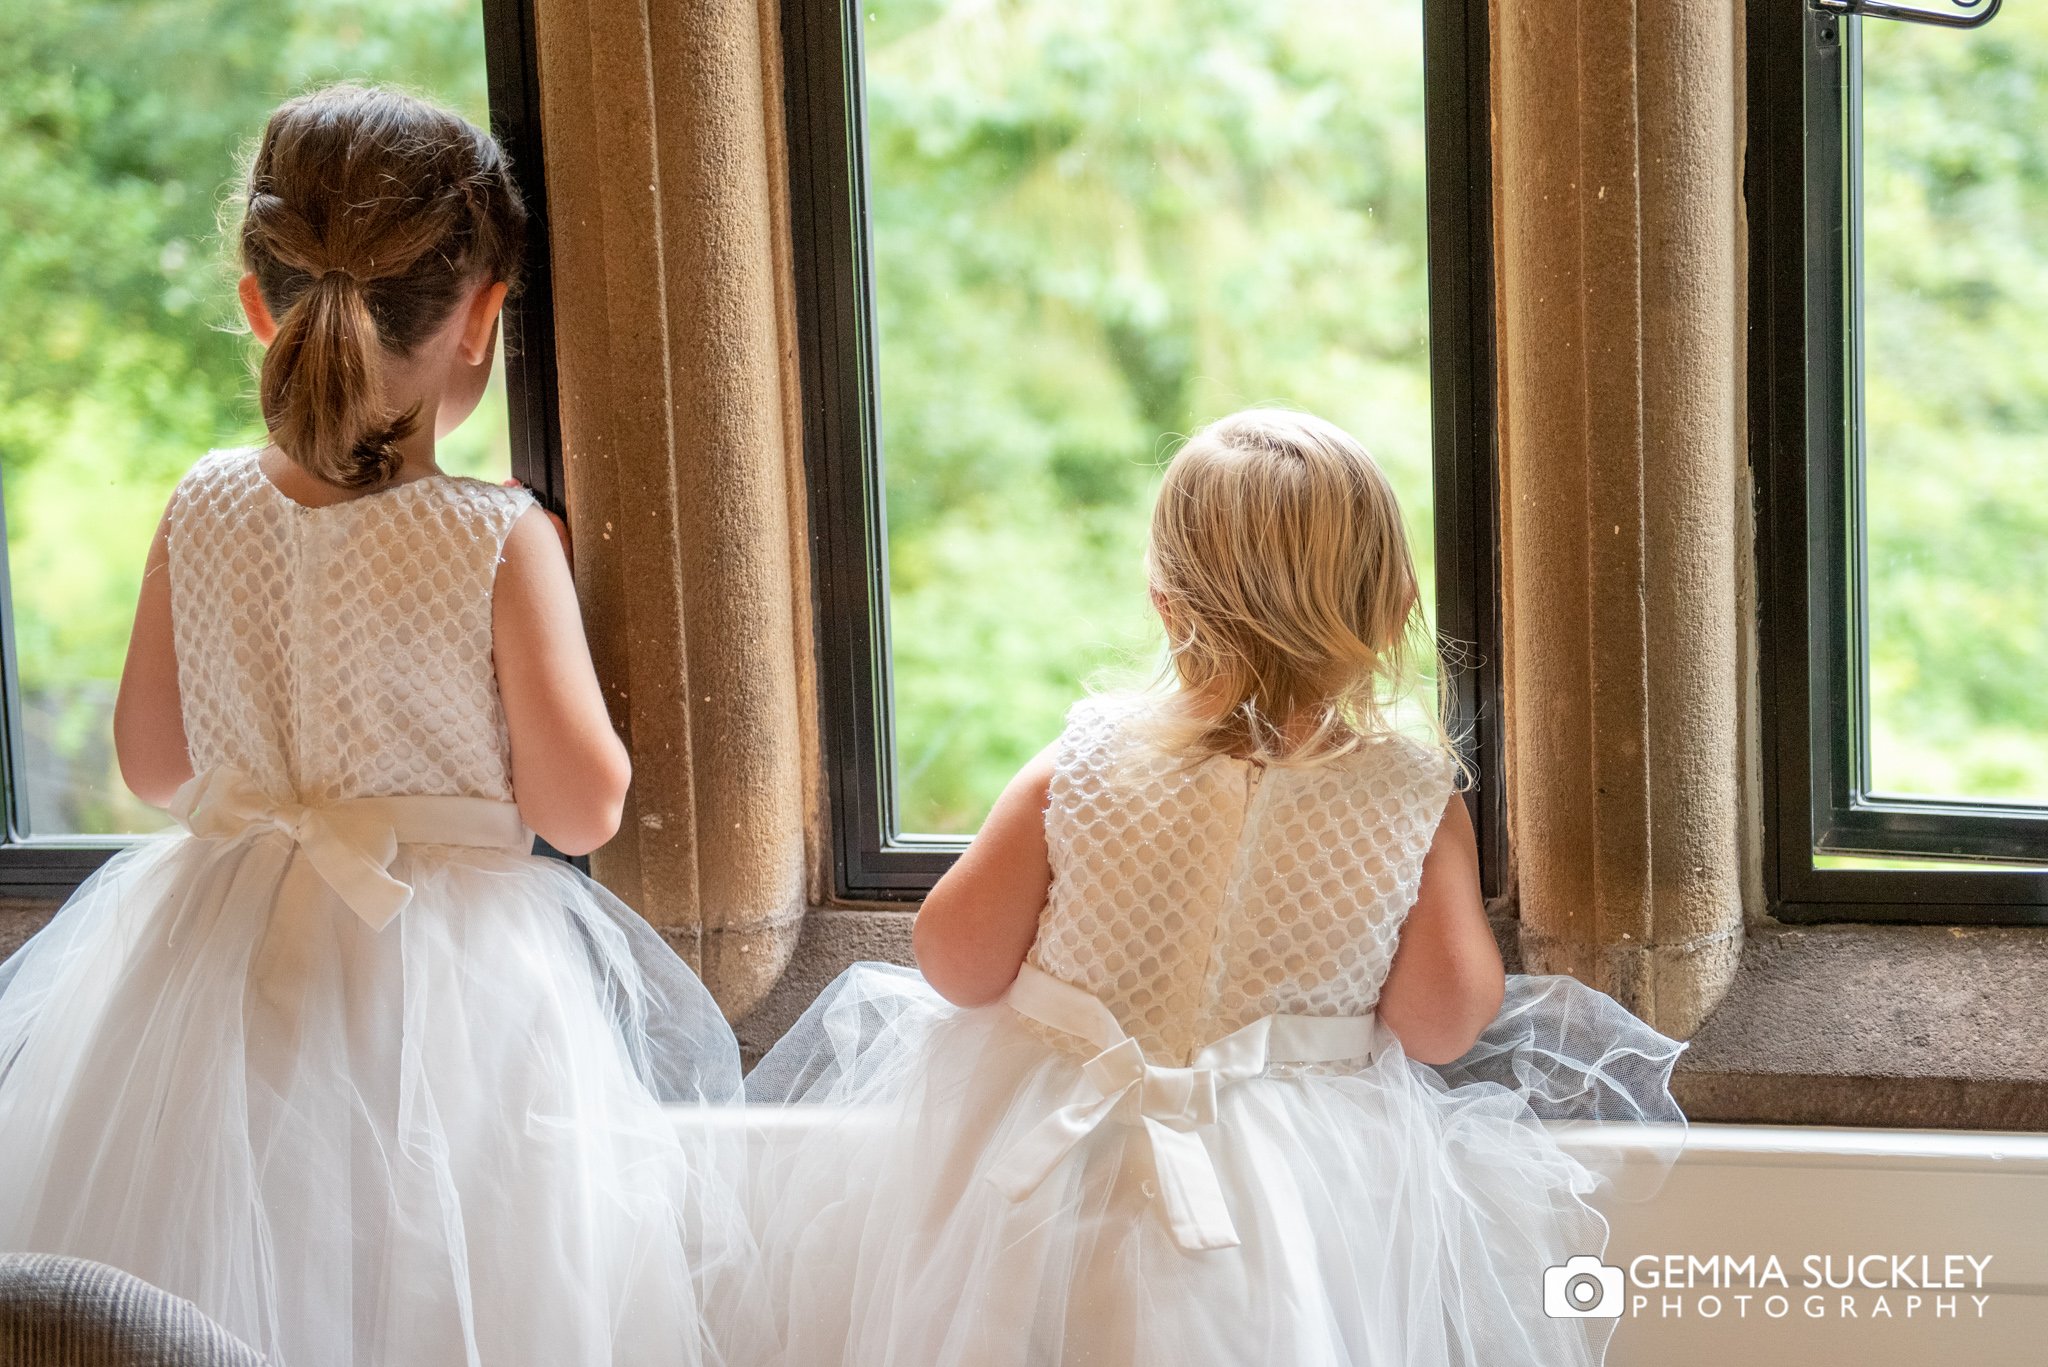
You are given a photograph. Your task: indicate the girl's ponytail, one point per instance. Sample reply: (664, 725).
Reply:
(369, 214)
(320, 387)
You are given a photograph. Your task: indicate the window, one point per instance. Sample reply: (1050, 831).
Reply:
(120, 132)
(1037, 241)
(1898, 194)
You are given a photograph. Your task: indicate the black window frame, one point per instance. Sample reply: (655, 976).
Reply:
(1802, 180)
(871, 862)
(49, 868)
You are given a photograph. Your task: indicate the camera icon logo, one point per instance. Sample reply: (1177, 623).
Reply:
(1584, 1288)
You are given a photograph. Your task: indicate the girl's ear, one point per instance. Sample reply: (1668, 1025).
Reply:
(261, 325)
(480, 328)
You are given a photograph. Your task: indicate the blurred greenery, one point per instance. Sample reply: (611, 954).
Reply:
(1095, 227)
(1099, 225)
(1956, 373)
(121, 130)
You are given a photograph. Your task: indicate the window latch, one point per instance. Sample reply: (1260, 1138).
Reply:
(1957, 14)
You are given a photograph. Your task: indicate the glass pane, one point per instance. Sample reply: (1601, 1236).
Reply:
(1955, 262)
(121, 127)
(1097, 226)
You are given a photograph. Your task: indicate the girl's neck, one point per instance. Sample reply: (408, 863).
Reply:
(408, 384)
(299, 485)
(1293, 731)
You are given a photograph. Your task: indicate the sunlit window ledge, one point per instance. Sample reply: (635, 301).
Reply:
(1837, 1148)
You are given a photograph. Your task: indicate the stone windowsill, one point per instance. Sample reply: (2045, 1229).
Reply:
(1898, 1026)
(1902, 1026)
(1895, 1026)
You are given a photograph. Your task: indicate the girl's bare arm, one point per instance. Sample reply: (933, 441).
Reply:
(569, 770)
(977, 925)
(1447, 982)
(149, 725)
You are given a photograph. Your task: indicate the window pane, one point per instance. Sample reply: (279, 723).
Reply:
(1955, 262)
(1095, 227)
(120, 131)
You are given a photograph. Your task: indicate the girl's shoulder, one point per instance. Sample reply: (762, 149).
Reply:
(223, 480)
(1096, 711)
(224, 467)
(496, 505)
(1109, 745)
(1099, 721)
(1403, 771)
(446, 515)
(483, 493)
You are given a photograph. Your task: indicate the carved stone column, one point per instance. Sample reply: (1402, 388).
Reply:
(1618, 137)
(666, 199)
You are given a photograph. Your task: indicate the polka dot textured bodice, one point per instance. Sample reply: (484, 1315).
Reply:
(1193, 900)
(342, 651)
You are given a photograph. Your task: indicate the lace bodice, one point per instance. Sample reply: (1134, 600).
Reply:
(342, 651)
(1194, 900)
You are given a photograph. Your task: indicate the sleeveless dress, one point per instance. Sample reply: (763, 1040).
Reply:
(1183, 1137)
(343, 1063)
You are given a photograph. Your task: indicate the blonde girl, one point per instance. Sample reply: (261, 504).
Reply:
(1213, 1060)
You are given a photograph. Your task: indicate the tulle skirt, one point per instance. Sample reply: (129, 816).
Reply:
(442, 1143)
(1388, 1213)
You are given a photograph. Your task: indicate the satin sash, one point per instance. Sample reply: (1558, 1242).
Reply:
(1173, 1104)
(349, 843)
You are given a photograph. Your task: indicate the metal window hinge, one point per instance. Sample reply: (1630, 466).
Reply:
(1958, 13)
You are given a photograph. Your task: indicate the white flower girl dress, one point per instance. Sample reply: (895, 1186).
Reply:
(344, 1063)
(1184, 1139)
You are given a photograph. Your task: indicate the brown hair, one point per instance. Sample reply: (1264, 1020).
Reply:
(368, 215)
(1281, 567)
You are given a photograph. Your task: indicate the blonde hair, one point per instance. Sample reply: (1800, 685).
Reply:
(1293, 613)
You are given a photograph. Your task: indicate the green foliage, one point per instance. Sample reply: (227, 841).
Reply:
(1956, 367)
(1096, 225)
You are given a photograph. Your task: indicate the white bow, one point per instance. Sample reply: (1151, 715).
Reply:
(349, 843)
(1172, 1103)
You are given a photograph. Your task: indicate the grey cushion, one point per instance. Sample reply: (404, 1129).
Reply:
(67, 1312)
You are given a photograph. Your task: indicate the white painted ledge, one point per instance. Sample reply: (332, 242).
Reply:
(1786, 1191)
